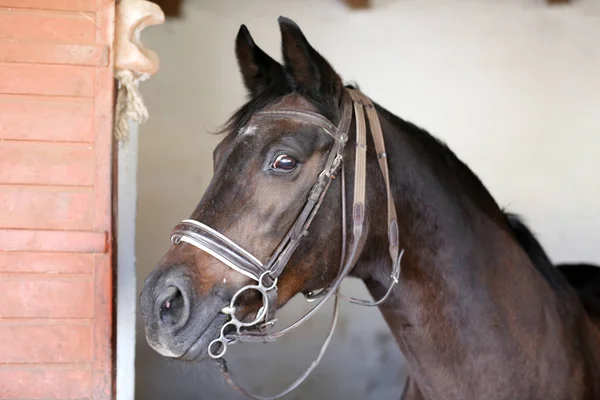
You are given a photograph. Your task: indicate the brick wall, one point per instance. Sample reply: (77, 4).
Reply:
(56, 99)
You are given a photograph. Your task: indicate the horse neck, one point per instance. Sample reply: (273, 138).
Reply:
(469, 300)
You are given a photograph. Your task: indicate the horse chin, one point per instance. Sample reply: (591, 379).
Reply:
(198, 351)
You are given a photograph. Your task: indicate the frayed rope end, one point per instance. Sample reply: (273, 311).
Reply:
(130, 105)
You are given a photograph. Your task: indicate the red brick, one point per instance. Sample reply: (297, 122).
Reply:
(53, 53)
(59, 241)
(46, 382)
(73, 5)
(48, 26)
(50, 80)
(46, 163)
(40, 207)
(46, 118)
(40, 342)
(40, 296)
(51, 263)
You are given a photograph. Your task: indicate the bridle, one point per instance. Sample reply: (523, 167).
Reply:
(265, 276)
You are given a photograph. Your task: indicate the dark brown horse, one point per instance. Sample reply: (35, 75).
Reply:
(475, 315)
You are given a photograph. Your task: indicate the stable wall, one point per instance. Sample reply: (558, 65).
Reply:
(513, 87)
(56, 107)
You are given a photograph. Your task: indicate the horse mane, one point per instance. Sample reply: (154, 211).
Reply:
(583, 278)
(536, 252)
(457, 175)
(581, 282)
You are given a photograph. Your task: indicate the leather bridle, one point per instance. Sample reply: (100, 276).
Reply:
(265, 276)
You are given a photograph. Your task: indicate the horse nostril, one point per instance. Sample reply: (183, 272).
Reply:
(172, 307)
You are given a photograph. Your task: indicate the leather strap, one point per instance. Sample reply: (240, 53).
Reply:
(362, 102)
(291, 241)
(221, 247)
(382, 157)
(311, 118)
(360, 166)
(378, 140)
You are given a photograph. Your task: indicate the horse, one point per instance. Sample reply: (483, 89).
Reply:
(474, 316)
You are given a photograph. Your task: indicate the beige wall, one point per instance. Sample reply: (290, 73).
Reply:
(513, 87)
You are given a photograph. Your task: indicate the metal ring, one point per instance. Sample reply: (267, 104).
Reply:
(223, 340)
(261, 313)
(220, 340)
(176, 239)
(262, 284)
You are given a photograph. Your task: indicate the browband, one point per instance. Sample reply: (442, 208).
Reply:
(221, 247)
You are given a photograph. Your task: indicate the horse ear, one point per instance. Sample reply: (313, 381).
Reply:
(258, 69)
(305, 67)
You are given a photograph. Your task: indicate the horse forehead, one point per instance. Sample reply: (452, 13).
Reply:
(292, 102)
(274, 127)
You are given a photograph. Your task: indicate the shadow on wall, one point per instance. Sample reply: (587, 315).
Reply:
(493, 79)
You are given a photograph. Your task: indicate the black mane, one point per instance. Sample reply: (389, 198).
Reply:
(536, 253)
(457, 175)
(441, 157)
(584, 279)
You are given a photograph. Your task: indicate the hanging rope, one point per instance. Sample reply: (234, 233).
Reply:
(133, 61)
(130, 105)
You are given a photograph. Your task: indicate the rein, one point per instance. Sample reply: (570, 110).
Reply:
(265, 276)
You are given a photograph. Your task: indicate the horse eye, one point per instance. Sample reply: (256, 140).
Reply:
(284, 163)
